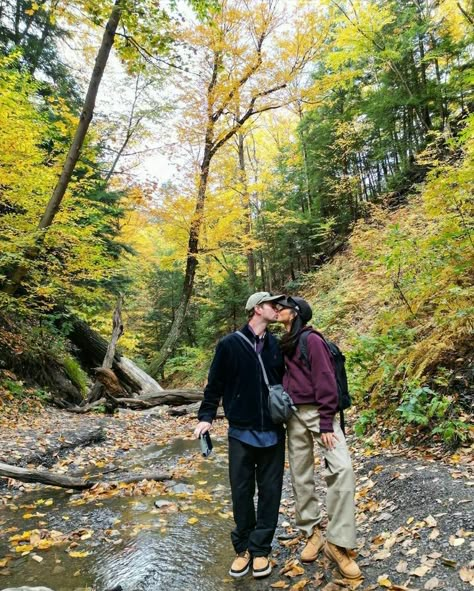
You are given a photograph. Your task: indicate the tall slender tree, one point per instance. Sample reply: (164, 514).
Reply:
(247, 61)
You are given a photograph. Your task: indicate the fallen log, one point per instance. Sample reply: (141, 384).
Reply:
(191, 409)
(92, 349)
(81, 410)
(43, 477)
(171, 397)
(165, 397)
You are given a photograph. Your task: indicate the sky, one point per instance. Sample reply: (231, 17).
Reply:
(114, 101)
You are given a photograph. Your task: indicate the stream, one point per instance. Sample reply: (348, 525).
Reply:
(181, 543)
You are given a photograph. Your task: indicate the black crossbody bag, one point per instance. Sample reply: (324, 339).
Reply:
(280, 405)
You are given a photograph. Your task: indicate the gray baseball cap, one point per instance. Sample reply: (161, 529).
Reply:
(261, 297)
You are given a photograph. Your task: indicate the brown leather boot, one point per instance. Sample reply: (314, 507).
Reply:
(347, 566)
(313, 545)
(241, 565)
(261, 567)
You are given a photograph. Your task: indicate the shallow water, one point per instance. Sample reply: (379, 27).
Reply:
(148, 549)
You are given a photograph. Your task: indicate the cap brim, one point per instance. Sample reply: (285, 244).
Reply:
(287, 302)
(271, 299)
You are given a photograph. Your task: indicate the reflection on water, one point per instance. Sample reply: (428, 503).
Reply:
(163, 553)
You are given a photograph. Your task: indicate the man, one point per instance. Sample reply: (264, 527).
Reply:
(256, 444)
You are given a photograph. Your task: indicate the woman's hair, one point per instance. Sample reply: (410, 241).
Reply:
(289, 340)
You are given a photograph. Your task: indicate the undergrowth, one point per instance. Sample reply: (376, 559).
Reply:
(399, 301)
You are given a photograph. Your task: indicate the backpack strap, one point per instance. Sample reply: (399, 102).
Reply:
(303, 344)
(265, 377)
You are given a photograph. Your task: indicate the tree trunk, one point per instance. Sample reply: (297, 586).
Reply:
(466, 15)
(24, 475)
(251, 275)
(222, 124)
(92, 349)
(117, 332)
(158, 362)
(18, 273)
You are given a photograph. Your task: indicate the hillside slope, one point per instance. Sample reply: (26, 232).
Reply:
(399, 301)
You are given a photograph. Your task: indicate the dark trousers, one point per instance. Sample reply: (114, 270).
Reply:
(264, 466)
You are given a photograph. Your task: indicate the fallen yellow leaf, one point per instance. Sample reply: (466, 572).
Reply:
(74, 554)
(431, 521)
(402, 566)
(296, 571)
(193, 520)
(466, 574)
(24, 548)
(44, 544)
(299, 585)
(420, 571)
(384, 581)
(279, 585)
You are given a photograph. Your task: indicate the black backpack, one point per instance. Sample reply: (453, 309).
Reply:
(344, 398)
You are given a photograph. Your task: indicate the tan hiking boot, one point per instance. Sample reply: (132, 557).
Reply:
(313, 545)
(347, 566)
(261, 567)
(241, 565)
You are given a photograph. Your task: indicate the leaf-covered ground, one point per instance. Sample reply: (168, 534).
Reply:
(414, 506)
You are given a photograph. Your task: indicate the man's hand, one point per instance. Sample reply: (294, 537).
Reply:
(329, 440)
(201, 428)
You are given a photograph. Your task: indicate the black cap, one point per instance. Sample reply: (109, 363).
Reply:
(300, 305)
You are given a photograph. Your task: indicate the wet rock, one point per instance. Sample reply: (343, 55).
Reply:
(185, 489)
(27, 589)
(160, 503)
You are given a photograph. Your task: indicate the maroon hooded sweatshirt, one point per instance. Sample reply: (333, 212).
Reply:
(316, 385)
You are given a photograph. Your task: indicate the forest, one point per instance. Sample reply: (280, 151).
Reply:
(160, 162)
(321, 149)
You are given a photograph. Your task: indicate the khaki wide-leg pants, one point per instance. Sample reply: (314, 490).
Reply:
(303, 430)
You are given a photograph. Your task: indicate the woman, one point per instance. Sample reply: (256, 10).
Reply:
(313, 389)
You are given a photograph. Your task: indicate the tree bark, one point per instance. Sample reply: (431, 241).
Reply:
(250, 255)
(16, 277)
(117, 332)
(170, 397)
(101, 385)
(24, 475)
(166, 350)
(92, 349)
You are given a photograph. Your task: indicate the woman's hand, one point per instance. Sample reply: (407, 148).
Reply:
(201, 428)
(329, 440)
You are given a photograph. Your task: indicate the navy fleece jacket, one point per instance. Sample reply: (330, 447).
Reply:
(235, 376)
